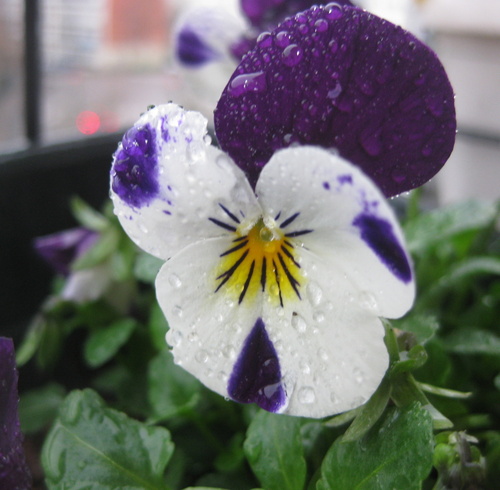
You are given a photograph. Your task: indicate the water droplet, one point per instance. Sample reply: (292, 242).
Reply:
(322, 354)
(175, 281)
(292, 55)
(321, 25)
(248, 82)
(229, 352)
(333, 398)
(304, 367)
(371, 141)
(335, 91)
(174, 337)
(334, 46)
(358, 375)
(435, 104)
(193, 337)
(314, 293)
(282, 39)
(223, 376)
(398, 176)
(306, 395)
(368, 301)
(265, 40)
(201, 356)
(333, 11)
(319, 317)
(177, 311)
(298, 323)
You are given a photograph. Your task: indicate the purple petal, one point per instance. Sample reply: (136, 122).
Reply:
(14, 472)
(341, 78)
(59, 250)
(256, 376)
(265, 14)
(192, 50)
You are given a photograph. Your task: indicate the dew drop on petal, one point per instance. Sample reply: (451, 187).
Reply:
(304, 367)
(248, 82)
(306, 395)
(282, 39)
(292, 55)
(175, 281)
(322, 354)
(298, 323)
(314, 293)
(398, 176)
(193, 337)
(333, 11)
(368, 301)
(202, 356)
(174, 337)
(319, 317)
(177, 311)
(321, 25)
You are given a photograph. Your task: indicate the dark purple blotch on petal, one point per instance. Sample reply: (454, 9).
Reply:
(14, 472)
(351, 81)
(59, 250)
(192, 50)
(378, 234)
(256, 376)
(134, 174)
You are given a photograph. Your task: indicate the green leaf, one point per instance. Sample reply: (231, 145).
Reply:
(88, 216)
(424, 327)
(38, 407)
(411, 360)
(94, 447)
(396, 453)
(171, 390)
(435, 226)
(273, 448)
(370, 412)
(103, 343)
(147, 267)
(469, 341)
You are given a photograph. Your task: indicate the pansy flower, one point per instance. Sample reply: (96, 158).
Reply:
(282, 256)
(273, 296)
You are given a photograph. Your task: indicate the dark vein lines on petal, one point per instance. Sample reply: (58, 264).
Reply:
(227, 275)
(293, 282)
(297, 233)
(234, 249)
(289, 220)
(231, 215)
(247, 282)
(222, 224)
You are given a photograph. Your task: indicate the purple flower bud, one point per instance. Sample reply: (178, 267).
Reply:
(59, 250)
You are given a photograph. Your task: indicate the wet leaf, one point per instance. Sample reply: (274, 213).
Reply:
(171, 390)
(92, 446)
(274, 450)
(396, 453)
(433, 227)
(104, 343)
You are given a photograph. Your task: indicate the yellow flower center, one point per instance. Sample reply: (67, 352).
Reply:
(264, 260)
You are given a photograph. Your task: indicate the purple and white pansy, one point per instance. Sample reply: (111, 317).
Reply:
(277, 272)
(272, 296)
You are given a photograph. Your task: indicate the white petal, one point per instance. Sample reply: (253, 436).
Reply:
(341, 216)
(331, 352)
(312, 356)
(168, 184)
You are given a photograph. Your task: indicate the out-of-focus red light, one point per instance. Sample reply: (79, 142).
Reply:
(88, 122)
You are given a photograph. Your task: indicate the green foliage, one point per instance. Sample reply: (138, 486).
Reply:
(92, 446)
(273, 447)
(438, 406)
(396, 453)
